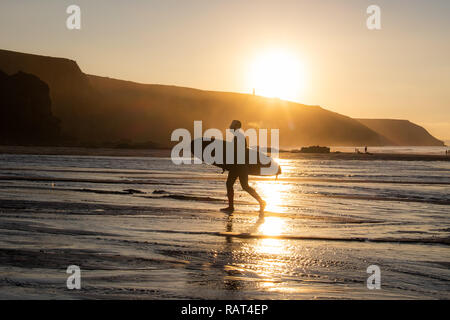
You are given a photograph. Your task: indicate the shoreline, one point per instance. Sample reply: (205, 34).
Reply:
(161, 153)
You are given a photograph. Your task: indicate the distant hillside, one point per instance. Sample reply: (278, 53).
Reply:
(25, 111)
(98, 110)
(156, 110)
(402, 132)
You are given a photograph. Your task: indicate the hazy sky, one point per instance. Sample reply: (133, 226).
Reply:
(401, 71)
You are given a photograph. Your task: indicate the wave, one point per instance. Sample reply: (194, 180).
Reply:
(409, 198)
(103, 181)
(431, 240)
(315, 179)
(34, 227)
(367, 180)
(160, 194)
(188, 198)
(112, 171)
(98, 191)
(124, 192)
(162, 178)
(382, 198)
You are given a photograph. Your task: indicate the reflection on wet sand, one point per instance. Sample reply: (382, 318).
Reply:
(257, 262)
(165, 237)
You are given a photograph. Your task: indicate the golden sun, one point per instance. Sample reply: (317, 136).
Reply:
(277, 74)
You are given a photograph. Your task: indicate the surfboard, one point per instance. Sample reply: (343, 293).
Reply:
(263, 166)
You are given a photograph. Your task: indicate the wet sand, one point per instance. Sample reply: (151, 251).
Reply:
(143, 228)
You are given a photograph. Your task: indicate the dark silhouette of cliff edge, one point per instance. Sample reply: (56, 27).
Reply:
(74, 101)
(25, 111)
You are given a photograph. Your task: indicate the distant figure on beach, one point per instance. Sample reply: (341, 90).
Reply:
(240, 172)
(365, 149)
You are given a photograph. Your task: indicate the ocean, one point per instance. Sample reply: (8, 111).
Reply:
(397, 150)
(144, 228)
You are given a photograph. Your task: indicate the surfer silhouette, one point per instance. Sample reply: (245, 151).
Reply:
(239, 171)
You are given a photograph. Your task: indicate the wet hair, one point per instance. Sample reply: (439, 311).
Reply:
(237, 123)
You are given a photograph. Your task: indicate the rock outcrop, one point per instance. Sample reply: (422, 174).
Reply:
(25, 111)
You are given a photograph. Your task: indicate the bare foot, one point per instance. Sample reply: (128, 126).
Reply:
(227, 210)
(262, 206)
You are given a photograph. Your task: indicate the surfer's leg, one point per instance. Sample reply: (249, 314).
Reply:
(232, 176)
(243, 179)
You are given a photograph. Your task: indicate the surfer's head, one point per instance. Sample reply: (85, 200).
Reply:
(235, 125)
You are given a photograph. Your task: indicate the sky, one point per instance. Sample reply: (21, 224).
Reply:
(326, 53)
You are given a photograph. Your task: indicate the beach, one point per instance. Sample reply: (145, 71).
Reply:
(140, 227)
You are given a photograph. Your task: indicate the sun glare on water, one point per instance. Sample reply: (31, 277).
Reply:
(277, 74)
(272, 226)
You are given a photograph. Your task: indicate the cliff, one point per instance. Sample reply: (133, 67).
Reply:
(74, 101)
(25, 111)
(402, 132)
(98, 110)
(156, 110)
